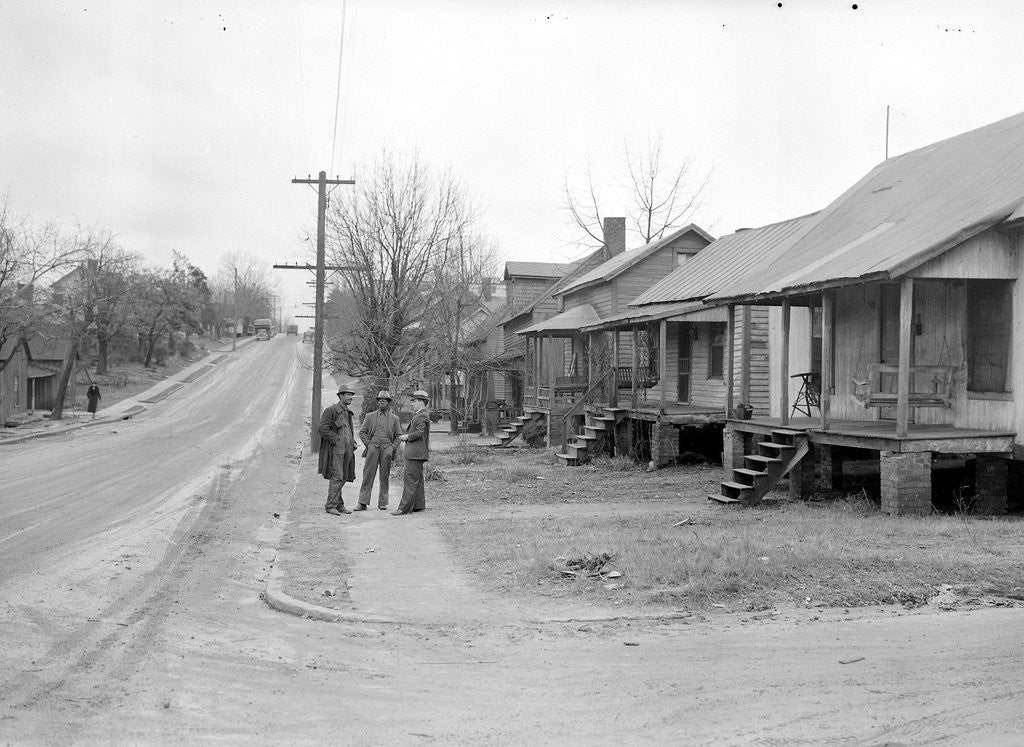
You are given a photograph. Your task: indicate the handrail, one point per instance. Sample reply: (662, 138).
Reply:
(585, 399)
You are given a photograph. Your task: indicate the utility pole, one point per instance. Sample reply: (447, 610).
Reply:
(321, 275)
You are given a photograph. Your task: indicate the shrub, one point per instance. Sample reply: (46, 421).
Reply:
(535, 433)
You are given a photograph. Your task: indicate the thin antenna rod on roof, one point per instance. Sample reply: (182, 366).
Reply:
(886, 132)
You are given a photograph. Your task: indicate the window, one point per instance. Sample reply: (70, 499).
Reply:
(989, 321)
(681, 257)
(716, 351)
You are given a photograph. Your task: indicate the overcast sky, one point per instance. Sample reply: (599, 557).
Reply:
(179, 125)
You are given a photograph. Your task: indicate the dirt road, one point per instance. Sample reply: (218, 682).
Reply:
(134, 556)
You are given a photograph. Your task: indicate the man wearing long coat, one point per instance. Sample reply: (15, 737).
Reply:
(337, 450)
(379, 433)
(417, 452)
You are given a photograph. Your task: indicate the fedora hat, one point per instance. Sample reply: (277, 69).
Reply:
(346, 390)
(384, 394)
(420, 394)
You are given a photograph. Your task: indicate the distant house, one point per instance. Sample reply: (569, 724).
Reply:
(910, 279)
(45, 359)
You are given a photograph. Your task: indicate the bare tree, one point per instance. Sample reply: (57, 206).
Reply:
(107, 288)
(28, 254)
(457, 285)
(79, 302)
(399, 221)
(244, 278)
(663, 198)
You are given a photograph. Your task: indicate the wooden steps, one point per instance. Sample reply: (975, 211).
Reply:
(761, 471)
(595, 437)
(515, 429)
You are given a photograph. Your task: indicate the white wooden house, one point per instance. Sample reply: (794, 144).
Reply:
(913, 273)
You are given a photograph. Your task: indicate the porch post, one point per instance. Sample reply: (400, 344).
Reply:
(538, 368)
(590, 359)
(662, 362)
(615, 367)
(825, 375)
(730, 335)
(784, 365)
(903, 377)
(745, 349)
(551, 367)
(636, 370)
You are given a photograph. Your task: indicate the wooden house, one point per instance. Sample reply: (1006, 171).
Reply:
(574, 366)
(910, 279)
(677, 391)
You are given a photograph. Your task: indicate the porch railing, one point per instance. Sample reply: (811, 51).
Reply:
(601, 388)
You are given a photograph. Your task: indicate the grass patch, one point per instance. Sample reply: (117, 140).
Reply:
(674, 549)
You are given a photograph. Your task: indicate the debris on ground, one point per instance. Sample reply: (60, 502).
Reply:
(588, 566)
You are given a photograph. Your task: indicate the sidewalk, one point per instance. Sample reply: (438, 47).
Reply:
(370, 566)
(124, 409)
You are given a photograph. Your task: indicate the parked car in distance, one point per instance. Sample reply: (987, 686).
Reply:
(291, 329)
(307, 336)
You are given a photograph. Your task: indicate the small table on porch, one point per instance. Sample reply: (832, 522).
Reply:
(809, 394)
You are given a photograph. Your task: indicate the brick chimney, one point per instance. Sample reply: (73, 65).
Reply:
(614, 236)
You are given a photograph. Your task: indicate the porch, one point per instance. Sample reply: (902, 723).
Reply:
(904, 459)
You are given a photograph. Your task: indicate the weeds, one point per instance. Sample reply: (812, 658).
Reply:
(618, 463)
(512, 473)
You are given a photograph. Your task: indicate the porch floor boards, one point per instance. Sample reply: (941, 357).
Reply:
(881, 435)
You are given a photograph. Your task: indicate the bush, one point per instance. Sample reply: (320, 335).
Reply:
(535, 433)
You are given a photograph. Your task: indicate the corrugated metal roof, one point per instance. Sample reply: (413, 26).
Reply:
(568, 321)
(538, 269)
(645, 314)
(621, 262)
(906, 211)
(723, 262)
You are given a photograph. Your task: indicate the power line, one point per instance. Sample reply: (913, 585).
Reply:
(337, 99)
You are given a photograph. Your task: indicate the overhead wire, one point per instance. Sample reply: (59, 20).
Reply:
(337, 100)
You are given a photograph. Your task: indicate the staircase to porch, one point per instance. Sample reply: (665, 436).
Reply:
(761, 471)
(505, 436)
(581, 447)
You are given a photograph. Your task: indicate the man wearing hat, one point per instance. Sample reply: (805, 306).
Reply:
(417, 451)
(379, 433)
(337, 450)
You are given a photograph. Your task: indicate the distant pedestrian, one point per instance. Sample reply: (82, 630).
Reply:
(379, 433)
(337, 450)
(93, 396)
(417, 452)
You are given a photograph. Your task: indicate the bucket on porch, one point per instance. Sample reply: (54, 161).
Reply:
(743, 412)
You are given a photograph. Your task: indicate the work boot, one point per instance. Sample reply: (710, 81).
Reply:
(333, 511)
(360, 507)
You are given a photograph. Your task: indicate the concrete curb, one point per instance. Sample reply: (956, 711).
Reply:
(276, 598)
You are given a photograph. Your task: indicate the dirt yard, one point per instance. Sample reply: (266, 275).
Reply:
(609, 532)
